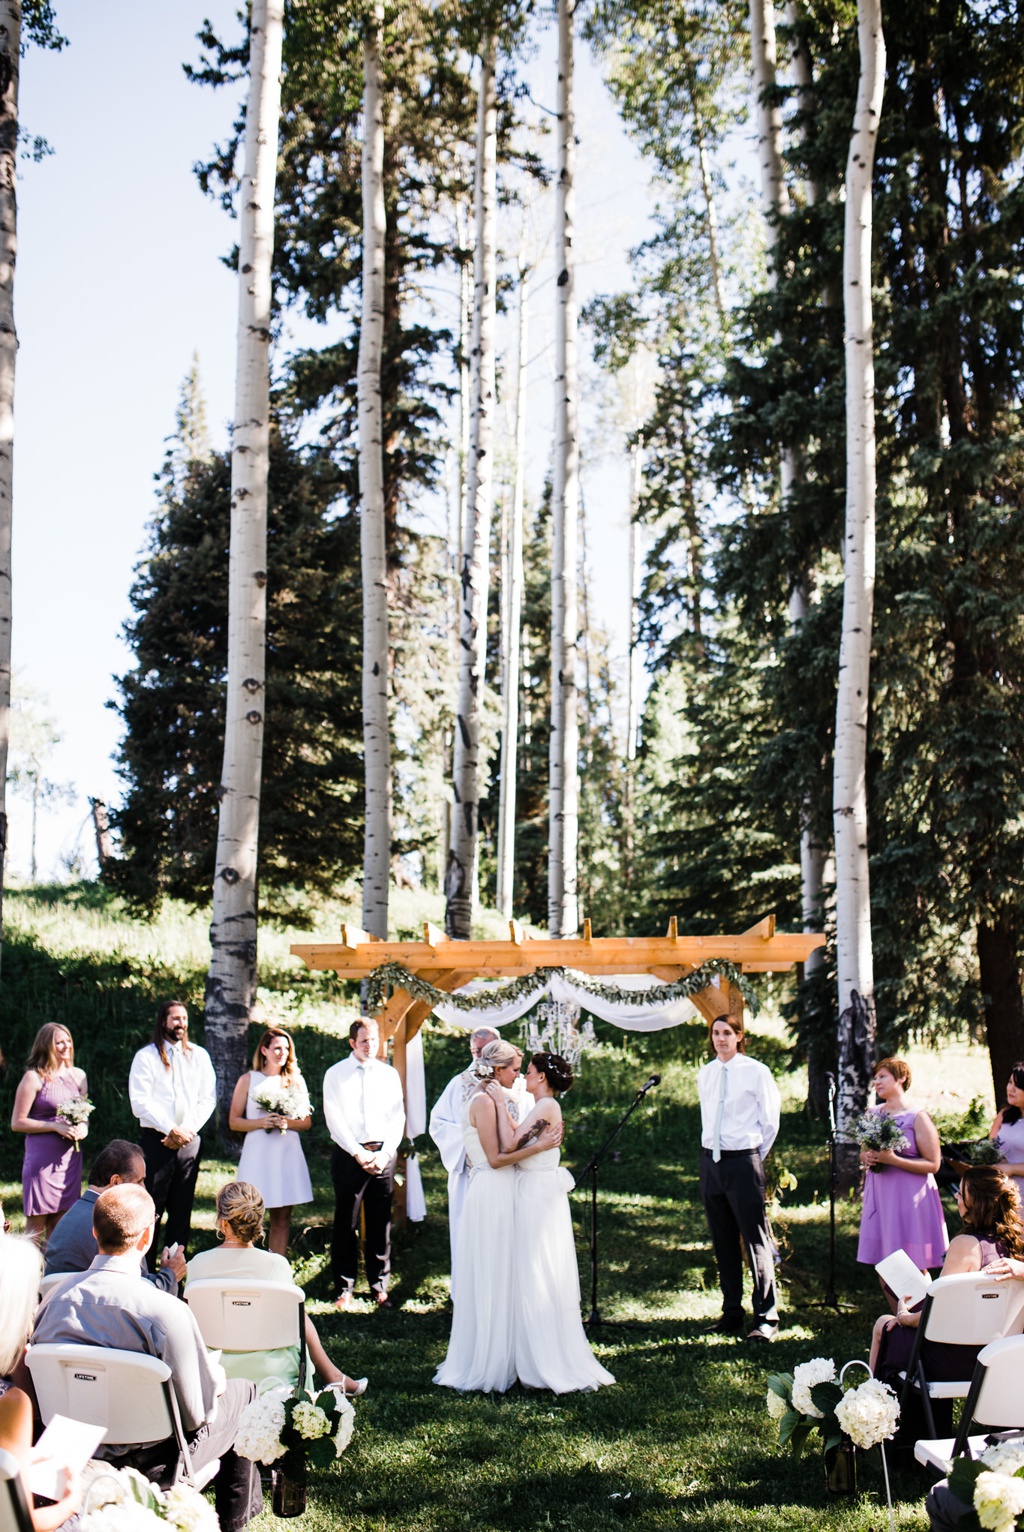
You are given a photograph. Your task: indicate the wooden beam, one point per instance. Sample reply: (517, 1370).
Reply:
(493, 959)
(432, 935)
(353, 937)
(587, 934)
(673, 928)
(765, 929)
(516, 933)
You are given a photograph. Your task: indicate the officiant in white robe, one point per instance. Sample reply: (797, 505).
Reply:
(445, 1129)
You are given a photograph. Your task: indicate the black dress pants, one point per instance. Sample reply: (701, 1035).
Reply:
(355, 1188)
(732, 1191)
(171, 1182)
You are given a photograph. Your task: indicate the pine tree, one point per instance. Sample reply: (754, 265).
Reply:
(172, 703)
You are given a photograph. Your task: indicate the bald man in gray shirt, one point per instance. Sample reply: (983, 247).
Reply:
(110, 1305)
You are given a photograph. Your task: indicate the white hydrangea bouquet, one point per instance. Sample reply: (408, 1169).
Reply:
(811, 1398)
(76, 1112)
(291, 1424)
(993, 1485)
(123, 1500)
(284, 1098)
(877, 1130)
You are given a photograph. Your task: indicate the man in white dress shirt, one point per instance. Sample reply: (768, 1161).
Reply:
(739, 1109)
(173, 1091)
(364, 1109)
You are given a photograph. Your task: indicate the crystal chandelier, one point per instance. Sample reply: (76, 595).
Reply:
(554, 1027)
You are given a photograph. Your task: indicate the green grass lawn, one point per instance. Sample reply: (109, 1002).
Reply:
(683, 1439)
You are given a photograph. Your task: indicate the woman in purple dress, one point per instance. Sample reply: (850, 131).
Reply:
(51, 1175)
(902, 1209)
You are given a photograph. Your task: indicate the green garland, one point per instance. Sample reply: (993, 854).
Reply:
(397, 976)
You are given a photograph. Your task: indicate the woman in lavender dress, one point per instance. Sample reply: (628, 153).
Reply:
(1008, 1128)
(51, 1175)
(902, 1209)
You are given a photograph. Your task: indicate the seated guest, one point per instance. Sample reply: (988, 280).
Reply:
(72, 1244)
(991, 1241)
(110, 1305)
(20, 1270)
(240, 1224)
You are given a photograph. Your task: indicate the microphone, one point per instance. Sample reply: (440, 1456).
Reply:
(652, 1082)
(831, 1082)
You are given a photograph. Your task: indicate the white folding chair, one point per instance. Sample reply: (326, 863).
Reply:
(14, 1512)
(967, 1309)
(128, 1393)
(250, 1316)
(995, 1399)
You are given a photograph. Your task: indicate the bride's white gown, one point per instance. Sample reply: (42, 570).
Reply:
(480, 1349)
(550, 1347)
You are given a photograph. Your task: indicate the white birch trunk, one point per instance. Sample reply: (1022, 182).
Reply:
(372, 551)
(635, 575)
(563, 799)
(512, 639)
(461, 871)
(231, 981)
(10, 62)
(849, 786)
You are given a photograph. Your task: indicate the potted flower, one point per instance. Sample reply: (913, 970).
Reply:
(291, 1429)
(124, 1500)
(811, 1398)
(993, 1486)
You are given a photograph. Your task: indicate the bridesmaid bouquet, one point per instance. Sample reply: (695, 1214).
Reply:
(76, 1113)
(877, 1130)
(284, 1099)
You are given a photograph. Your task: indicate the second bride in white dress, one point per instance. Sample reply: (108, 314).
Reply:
(551, 1348)
(480, 1351)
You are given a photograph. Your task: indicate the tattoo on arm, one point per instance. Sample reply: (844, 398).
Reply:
(532, 1133)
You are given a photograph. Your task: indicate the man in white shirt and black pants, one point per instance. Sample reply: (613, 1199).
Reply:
(173, 1091)
(739, 1109)
(364, 1109)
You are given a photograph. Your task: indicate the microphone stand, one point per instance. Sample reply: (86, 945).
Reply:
(590, 1169)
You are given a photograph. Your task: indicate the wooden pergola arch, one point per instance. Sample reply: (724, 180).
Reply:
(448, 964)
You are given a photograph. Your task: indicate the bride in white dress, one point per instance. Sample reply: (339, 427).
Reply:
(480, 1351)
(550, 1345)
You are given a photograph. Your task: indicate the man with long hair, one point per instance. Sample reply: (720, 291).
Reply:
(173, 1091)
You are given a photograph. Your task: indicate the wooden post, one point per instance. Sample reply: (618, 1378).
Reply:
(398, 1059)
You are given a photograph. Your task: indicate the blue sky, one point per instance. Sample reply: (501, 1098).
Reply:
(119, 281)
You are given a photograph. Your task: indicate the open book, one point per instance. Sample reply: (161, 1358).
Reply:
(899, 1272)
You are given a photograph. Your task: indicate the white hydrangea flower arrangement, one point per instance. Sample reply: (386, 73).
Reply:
(811, 1398)
(123, 1500)
(994, 1485)
(283, 1421)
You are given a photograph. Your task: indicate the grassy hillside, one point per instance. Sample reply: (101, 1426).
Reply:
(683, 1438)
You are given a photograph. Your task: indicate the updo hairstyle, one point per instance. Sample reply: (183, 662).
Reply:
(556, 1071)
(240, 1206)
(495, 1056)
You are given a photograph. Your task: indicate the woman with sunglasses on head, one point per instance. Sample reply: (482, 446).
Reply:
(1008, 1128)
(991, 1240)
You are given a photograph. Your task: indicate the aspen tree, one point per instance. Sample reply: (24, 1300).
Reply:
(10, 62)
(376, 727)
(849, 783)
(563, 794)
(231, 981)
(512, 633)
(461, 872)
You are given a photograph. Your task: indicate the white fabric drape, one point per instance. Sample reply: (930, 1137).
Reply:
(415, 1123)
(650, 1017)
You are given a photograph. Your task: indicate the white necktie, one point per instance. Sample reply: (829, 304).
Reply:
(716, 1137)
(180, 1089)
